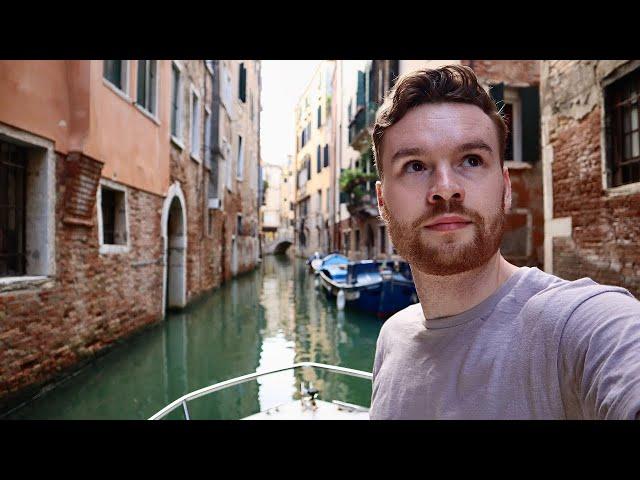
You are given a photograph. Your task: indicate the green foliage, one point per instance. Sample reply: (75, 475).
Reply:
(352, 182)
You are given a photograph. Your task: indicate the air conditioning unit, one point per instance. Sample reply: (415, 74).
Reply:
(214, 203)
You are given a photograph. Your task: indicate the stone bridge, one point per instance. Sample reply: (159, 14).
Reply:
(280, 245)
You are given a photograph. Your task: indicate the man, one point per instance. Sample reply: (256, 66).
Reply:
(488, 340)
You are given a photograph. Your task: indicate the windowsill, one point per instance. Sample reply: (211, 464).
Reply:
(628, 189)
(113, 249)
(177, 142)
(195, 158)
(148, 114)
(121, 93)
(8, 284)
(514, 165)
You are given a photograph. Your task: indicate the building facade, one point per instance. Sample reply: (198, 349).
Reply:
(105, 219)
(313, 163)
(591, 157)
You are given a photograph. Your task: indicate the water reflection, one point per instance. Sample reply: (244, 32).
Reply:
(265, 319)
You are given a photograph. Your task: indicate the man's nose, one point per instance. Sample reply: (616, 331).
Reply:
(444, 187)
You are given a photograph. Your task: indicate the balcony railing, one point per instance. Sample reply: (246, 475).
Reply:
(365, 118)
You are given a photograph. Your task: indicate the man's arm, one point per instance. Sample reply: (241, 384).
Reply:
(600, 357)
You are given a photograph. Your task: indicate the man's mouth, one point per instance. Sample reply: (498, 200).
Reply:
(448, 223)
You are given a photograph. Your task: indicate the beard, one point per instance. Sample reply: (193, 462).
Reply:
(447, 255)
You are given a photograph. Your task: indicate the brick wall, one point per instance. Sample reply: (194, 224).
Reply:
(605, 228)
(94, 299)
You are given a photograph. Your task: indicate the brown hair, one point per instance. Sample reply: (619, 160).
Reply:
(451, 83)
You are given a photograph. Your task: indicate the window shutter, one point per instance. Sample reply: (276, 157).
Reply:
(530, 99)
(361, 89)
(319, 159)
(497, 94)
(326, 155)
(319, 116)
(142, 74)
(242, 94)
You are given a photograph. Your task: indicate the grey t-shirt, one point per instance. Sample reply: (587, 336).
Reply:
(540, 347)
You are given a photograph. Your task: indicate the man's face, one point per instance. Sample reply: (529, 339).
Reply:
(442, 160)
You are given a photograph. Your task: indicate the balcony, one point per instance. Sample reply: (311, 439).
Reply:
(365, 206)
(361, 125)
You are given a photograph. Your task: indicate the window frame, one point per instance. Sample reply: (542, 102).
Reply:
(609, 136)
(194, 133)
(178, 140)
(512, 96)
(107, 248)
(122, 92)
(151, 114)
(240, 159)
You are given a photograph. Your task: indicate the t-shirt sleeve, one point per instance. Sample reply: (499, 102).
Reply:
(599, 361)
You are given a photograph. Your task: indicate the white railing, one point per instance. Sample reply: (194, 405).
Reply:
(182, 401)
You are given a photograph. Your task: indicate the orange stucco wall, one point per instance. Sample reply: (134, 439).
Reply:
(53, 98)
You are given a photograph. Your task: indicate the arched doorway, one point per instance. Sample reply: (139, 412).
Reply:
(174, 229)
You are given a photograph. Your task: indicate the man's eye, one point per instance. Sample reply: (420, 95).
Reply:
(413, 167)
(474, 160)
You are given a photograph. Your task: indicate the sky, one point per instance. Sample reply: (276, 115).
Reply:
(283, 82)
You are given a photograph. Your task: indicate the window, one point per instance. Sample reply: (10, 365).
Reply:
(207, 135)
(319, 116)
(623, 130)
(520, 108)
(115, 71)
(383, 239)
(147, 80)
(113, 215)
(176, 103)
(319, 201)
(357, 245)
(195, 125)
(240, 165)
(13, 176)
(328, 201)
(512, 113)
(242, 84)
(239, 225)
(319, 159)
(326, 155)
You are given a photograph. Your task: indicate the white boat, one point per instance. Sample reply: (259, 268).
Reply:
(309, 407)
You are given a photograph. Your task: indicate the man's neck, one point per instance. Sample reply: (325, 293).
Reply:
(443, 296)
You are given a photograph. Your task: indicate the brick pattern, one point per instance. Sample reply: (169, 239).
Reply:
(606, 230)
(507, 71)
(93, 301)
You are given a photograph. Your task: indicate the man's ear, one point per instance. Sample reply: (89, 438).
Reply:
(379, 195)
(507, 189)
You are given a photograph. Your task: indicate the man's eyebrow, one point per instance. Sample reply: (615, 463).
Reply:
(474, 145)
(408, 152)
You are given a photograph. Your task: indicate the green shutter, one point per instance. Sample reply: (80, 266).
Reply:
(497, 94)
(361, 89)
(530, 98)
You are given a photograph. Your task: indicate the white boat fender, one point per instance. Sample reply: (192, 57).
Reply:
(340, 300)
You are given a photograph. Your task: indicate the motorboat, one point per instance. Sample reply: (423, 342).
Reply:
(372, 286)
(308, 407)
(328, 261)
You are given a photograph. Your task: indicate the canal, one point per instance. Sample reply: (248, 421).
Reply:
(270, 317)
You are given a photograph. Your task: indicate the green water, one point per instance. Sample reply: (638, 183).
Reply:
(265, 319)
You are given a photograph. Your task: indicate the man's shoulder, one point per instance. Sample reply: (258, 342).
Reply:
(406, 321)
(560, 297)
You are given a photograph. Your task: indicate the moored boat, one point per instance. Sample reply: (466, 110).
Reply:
(371, 286)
